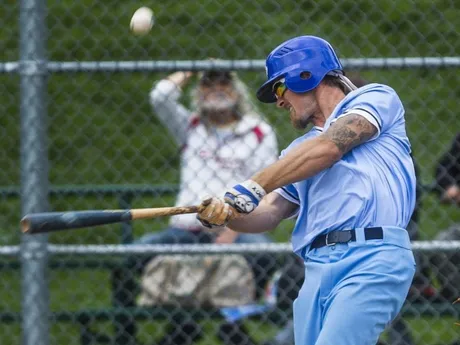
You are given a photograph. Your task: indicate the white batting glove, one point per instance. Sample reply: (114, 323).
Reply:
(245, 197)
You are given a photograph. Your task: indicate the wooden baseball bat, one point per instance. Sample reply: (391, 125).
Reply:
(36, 223)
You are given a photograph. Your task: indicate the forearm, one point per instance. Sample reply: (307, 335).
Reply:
(255, 222)
(271, 211)
(303, 162)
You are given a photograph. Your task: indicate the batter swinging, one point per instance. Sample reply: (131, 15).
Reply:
(350, 183)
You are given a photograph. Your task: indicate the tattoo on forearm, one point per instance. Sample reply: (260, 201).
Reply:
(350, 131)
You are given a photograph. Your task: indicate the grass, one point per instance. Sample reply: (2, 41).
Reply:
(102, 131)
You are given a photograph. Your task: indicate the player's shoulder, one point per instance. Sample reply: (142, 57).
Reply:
(372, 97)
(374, 89)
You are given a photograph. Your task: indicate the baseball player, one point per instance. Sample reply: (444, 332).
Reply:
(351, 188)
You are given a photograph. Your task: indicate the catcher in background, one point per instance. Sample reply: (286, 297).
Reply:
(222, 141)
(351, 183)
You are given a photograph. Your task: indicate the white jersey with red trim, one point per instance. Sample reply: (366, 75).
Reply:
(212, 159)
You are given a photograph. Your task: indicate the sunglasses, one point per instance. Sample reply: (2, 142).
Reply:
(279, 88)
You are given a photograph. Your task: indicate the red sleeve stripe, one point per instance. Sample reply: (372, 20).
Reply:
(194, 121)
(259, 134)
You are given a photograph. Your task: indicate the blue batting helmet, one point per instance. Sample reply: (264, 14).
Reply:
(302, 61)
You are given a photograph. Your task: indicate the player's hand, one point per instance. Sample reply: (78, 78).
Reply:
(245, 197)
(180, 78)
(215, 212)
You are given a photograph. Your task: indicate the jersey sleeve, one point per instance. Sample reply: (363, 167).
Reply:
(379, 104)
(290, 193)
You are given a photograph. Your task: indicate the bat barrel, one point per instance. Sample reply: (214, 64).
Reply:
(53, 221)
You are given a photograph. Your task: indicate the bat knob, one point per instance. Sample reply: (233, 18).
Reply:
(25, 224)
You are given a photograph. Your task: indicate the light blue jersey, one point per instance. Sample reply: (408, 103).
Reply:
(373, 185)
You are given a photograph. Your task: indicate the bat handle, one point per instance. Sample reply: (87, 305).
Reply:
(147, 213)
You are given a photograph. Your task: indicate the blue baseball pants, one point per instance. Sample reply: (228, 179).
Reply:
(353, 291)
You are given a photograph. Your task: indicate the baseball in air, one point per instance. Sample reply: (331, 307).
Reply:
(142, 21)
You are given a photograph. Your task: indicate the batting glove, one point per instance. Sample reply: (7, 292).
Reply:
(216, 213)
(245, 197)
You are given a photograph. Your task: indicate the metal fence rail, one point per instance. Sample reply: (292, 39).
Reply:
(149, 249)
(230, 65)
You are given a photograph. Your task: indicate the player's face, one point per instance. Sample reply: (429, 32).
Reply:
(302, 107)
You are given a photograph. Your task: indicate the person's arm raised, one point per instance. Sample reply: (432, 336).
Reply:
(164, 98)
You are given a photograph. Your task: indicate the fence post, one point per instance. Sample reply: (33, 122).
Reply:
(123, 284)
(34, 169)
(124, 202)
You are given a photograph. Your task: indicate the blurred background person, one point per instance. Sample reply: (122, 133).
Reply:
(447, 265)
(222, 140)
(448, 173)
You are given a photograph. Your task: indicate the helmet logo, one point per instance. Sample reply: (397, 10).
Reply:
(266, 71)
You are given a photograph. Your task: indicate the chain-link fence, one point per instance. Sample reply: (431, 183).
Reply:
(86, 124)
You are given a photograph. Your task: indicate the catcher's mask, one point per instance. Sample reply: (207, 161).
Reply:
(217, 93)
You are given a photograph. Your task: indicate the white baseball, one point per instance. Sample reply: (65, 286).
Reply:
(142, 21)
